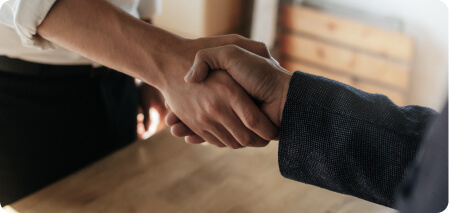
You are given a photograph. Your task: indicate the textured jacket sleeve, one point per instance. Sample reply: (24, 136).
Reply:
(343, 139)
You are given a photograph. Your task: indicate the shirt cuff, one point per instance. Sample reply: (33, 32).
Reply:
(24, 16)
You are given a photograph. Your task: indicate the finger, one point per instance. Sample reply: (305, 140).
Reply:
(253, 118)
(203, 63)
(171, 119)
(210, 138)
(242, 134)
(198, 72)
(223, 135)
(180, 130)
(213, 132)
(195, 139)
(210, 59)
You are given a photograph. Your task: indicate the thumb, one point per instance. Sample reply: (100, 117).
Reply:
(198, 72)
(210, 59)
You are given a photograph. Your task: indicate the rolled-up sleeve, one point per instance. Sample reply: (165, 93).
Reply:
(148, 8)
(24, 16)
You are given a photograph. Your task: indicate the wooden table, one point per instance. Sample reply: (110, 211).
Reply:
(164, 174)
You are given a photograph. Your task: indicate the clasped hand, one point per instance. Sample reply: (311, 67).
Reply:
(217, 110)
(261, 77)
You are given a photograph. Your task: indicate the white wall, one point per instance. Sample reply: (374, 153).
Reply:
(427, 22)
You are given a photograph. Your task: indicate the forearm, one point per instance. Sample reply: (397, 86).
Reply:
(340, 138)
(105, 34)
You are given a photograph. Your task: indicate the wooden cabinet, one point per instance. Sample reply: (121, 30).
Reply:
(369, 58)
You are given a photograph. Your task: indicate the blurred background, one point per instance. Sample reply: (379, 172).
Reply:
(393, 47)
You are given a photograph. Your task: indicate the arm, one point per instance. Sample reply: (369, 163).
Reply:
(332, 135)
(101, 32)
(340, 138)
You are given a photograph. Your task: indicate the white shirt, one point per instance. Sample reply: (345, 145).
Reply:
(20, 18)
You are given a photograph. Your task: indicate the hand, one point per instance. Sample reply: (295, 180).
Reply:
(150, 98)
(218, 109)
(262, 78)
(223, 113)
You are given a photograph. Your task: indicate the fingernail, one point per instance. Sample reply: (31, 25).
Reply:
(188, 75)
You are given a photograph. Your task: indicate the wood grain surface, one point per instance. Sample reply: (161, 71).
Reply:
(361, 65)
(348, 32)
(164, 174)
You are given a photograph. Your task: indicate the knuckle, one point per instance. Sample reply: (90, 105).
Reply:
(262, 49)
(250, 120)
(247, 140)
(236, 37)
(231, 51)
(200, 54)
(212, 108)
(202, 119)
(262, 45)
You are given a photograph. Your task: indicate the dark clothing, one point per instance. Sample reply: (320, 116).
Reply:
(54, 123)
(425, 188)
(340, 138)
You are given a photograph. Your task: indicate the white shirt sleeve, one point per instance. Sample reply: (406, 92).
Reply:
(24, 16)
(148, 8)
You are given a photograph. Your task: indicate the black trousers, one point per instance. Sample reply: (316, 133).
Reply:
(52, 125)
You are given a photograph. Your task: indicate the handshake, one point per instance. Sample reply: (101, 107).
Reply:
(237, 111)
(232, 96)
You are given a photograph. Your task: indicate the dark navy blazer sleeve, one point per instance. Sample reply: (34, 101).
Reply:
(343, 139)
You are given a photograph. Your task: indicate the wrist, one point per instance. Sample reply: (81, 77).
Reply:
(157, 56)
(285, 77)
